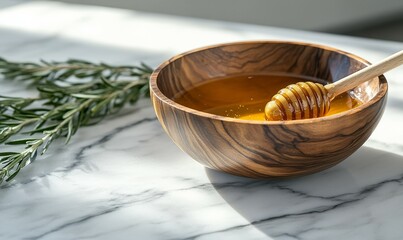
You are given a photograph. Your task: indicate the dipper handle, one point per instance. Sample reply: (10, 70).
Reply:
(365, 74)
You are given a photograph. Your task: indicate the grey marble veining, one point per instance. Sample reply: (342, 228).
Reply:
(125, 179)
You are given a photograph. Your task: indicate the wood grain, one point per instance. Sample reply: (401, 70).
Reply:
(263, 149)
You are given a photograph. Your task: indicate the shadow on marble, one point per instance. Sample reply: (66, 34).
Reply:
(10, 3)
(352, 191)
(395, 102)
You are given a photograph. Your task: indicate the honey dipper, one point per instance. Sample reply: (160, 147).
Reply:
(309, 100)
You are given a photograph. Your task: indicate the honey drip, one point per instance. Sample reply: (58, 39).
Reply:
(245, 97)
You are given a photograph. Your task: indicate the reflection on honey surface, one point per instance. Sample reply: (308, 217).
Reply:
(245, 96)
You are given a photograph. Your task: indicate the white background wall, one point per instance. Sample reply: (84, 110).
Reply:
(322, 15)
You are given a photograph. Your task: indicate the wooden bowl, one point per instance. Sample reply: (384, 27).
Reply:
(265, 149)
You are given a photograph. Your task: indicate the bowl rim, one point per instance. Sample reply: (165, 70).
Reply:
(383, 86)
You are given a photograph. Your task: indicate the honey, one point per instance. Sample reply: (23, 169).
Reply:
(245, 96)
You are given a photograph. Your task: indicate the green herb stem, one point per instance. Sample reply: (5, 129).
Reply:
(64, 108)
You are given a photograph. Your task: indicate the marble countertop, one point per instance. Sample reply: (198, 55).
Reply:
(125, 179)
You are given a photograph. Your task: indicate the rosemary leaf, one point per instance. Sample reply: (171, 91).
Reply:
(63, 105)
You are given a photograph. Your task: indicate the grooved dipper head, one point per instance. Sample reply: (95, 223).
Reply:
(298, 101)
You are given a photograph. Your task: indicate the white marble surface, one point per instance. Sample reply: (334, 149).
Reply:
(125, 179)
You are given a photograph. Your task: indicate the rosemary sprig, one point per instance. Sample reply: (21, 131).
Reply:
(63, 105)
(46, 71)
